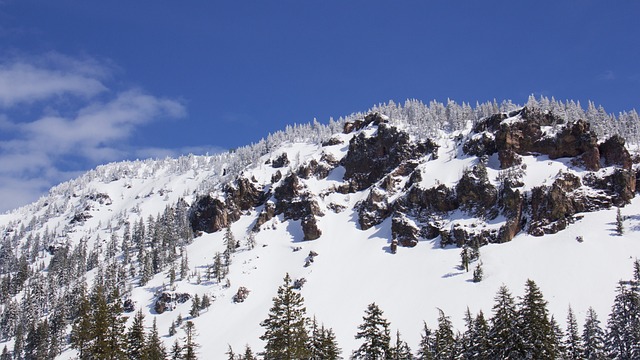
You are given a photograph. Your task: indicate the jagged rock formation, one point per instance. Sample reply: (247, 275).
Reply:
(385, 164)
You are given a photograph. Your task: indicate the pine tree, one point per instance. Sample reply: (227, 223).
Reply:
(154, 349)
(535, 327)
(425, 348)
(248, 354)
(82, 328)
(479, 345)
(189, 350)
(136, 337)
(5, 354)
(285, 326)
(593, 337)
(573, 342)
(230, 354)
(401, 351)
(176, 351)
(375, 333)
(464, 258)
(619, 223)
(195, 307)
(504, 337)
(478, 273)
(444, 341)
(623, 335)
(557, 341)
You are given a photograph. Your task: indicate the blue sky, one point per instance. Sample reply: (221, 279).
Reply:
(89, 82)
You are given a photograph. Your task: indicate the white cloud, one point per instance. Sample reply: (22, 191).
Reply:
(22, 82)
(92, 126)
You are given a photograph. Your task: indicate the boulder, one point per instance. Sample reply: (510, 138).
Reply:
(310, 228)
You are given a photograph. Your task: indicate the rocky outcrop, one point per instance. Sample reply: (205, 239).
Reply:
(528, 135)
(619, 186)
(293, 201)
(404, 231)
(167, 301)
(281, 161)
(267, 213)
(210, 214)
(374, 118)
(421, 202)
(310, 228)
(475, 194)
(372, 157)
(374, 209)
(613, 152)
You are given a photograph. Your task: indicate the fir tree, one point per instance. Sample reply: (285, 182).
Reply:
(478, 273)
(195, 307)
(479, 346)
(573, 342)
(154, 349)
(176, 351)
(374, 331)
(230, 354)
(136, 337)
(248, 353)
(5, 354)
(444, 341)
(557, 341)
(401, 351)
(623, 335)
(619, 223)
(593, 337)
(285, 326)
(535, 327)
(425, 348)
(189, 350)
(464, 258)
(82, 329)
(504, 337)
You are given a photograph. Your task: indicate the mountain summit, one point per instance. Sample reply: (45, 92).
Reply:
(424, 210)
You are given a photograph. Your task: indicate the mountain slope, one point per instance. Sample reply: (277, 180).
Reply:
(497, 183)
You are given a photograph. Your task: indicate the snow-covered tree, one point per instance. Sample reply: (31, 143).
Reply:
(375, 334)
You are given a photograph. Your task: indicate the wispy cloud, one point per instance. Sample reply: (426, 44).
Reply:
(91, 126)
(608, 75)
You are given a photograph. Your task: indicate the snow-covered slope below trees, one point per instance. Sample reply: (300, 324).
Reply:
(385, 208)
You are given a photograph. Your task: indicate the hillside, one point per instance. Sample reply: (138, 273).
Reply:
(387, 200)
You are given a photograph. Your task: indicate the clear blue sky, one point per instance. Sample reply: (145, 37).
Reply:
(88, 82)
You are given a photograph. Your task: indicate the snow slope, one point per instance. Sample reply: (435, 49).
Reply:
(354, 267)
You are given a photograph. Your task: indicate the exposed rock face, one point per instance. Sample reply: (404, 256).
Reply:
(476, 194)
(209, 214)
(371, 158)
(404, 231)
(293, 201)
(267, 213)
(529, 136)
(244, 195)
(374, 118)
(167, 301)
(281, 161)
(439, 199)
(319, 169)
(613, 152)
(310, 228)
(374, 209)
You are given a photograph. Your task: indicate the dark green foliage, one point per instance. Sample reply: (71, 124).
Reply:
(154, 349)
(248, 354)
(195, 306)
(537, 335)
(444, 344)
(374, 331)
(478, 273)
(619, 223)
(189, 350)
(425, 348)
(136, 337)
(593, 337)
(176, 351)
(285, 326)
(401, 351)
(504, 337)
(479, 345)
(623, 335)
(322, 343)
(573, 342)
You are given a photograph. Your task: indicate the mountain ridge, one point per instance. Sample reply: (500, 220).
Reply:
(347, 194)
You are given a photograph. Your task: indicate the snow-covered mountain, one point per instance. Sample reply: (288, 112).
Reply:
(376, 207)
